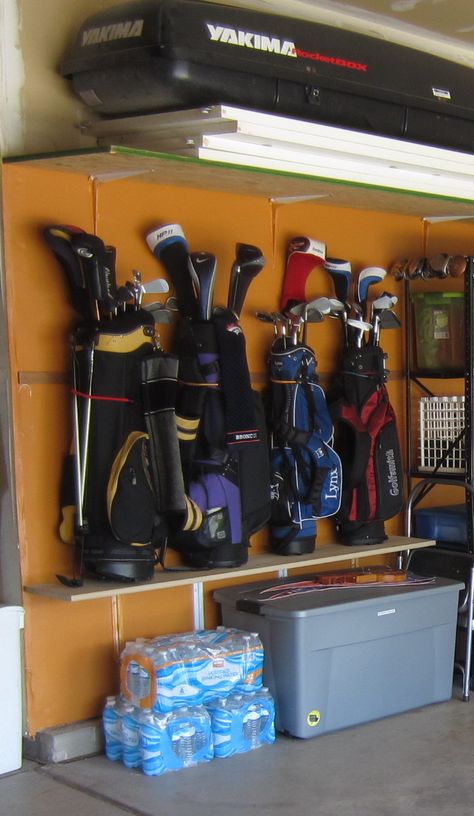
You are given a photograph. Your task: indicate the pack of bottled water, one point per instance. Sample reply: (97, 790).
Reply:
(191, 668)
(186, 698)
(156, 743)
(242, 722)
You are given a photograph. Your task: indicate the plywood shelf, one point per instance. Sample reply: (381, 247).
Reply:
(115, 162)
(265, 563)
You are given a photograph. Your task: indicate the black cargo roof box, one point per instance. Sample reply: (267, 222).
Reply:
(151, 56)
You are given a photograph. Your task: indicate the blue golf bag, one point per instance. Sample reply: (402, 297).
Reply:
(306, 473)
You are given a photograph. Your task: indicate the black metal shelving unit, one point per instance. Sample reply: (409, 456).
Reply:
(439, 560)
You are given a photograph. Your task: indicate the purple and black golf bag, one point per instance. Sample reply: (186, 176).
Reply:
(224, 453)
(220, 419)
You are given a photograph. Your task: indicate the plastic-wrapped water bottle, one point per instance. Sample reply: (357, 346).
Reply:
(131, 737)
(258, 720)
(241, 722)
(152, 728)
(112, 725)
(187, 739)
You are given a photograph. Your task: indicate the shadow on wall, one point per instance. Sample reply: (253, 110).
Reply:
(10, 575)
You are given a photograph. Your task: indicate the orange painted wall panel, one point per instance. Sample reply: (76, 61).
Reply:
(69, 659)
(71, 649)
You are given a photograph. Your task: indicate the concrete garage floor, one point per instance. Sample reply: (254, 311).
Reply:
(420, 762)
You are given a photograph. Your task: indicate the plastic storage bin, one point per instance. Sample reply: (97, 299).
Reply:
(439, 330)
(447, 524)
(11, 622)
(340, 657)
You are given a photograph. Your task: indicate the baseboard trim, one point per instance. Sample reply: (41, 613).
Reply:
(66, 742)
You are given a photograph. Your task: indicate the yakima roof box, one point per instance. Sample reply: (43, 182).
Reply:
(157, 55)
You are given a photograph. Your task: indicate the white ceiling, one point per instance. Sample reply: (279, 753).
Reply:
(443, 27)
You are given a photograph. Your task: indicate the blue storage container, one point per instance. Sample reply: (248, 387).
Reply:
(447, 524)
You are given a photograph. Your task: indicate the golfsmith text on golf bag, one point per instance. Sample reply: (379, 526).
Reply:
(142, 475)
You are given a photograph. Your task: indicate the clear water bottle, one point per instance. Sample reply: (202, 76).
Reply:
(183, 741)
(145, 674)
(258, 720)
(112, 726)
(152, 728)
(131, 737)
(188, 739)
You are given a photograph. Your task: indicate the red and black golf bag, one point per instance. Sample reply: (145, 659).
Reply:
(366, 439)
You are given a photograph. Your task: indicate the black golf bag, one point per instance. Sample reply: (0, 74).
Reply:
(367, 440)
(223, 443)
(118, 526)
(305, 470)
(112, 508)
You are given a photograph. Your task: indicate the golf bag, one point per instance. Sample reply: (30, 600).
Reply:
(305, 470)
(117, 523)
(112, 511)
(223, 444)
(367, 440)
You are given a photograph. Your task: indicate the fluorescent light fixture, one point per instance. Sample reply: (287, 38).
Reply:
(237, 136)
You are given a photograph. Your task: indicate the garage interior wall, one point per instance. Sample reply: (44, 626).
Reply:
(68, 683)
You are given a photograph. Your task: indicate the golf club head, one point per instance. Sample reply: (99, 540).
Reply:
(171, 303)
(439, 265)
(341, 274)
(297, 309)
(158, 286)
(58, 239)
(203, 267)
(457, 265)
(249, 262)
(160, 313)
(368, 277)
(314, 315)
(388, 319)
(169, 246)
(303, 255)
(359, 328)
(398, 268)
(99, 274)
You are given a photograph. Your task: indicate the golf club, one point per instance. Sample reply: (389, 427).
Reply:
(169, 246)
(303, 255)
(367, 278)
(202, 267)
(249, 261)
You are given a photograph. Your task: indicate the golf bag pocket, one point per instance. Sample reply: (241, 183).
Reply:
(219, 501)
(131, 502)
(305, 485)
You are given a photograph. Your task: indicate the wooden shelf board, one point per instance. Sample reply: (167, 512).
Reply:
(257, 565)
(117, 161)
